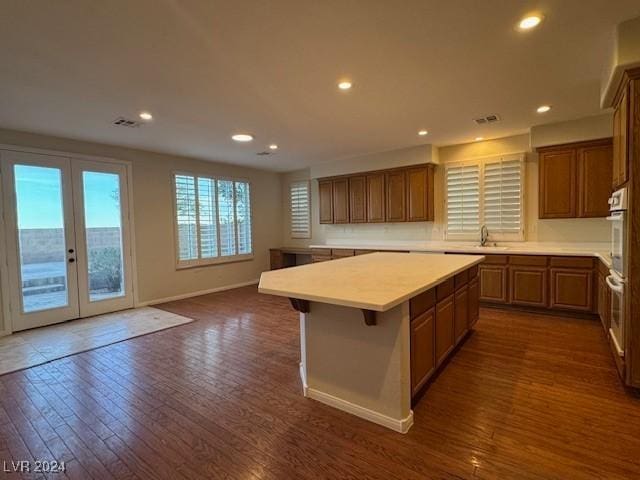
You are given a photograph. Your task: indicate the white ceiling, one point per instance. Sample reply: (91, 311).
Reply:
(208, 68)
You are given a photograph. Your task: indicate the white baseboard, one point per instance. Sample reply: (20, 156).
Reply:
(401, 425)
(196, 294)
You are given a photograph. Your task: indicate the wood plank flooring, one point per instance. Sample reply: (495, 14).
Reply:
(526, 397)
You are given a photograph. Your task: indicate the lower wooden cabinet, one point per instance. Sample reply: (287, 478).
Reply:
(461, 313)
(444, 328)
(528, 286)
(493, 283)
(572, 289)
(474, 302)
(423, 359)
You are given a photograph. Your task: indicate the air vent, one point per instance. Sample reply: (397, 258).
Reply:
(263, 153)
(124, 122)
(487, 119)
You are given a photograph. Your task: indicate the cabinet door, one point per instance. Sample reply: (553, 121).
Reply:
(493, 283)
(572, 289)
(423, 359)
(461, 313)
(357, 199)
(341, 201)
(444, 328)
(528, 286)
(396, 196)
(595, 173)
(620, 141)
(376, 198)
(325, 195)
(474, 302)
(418, 193)
(277, 259)
(557, 184)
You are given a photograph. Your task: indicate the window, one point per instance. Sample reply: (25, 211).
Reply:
(300, 203)
(213, 220)
(485, 192)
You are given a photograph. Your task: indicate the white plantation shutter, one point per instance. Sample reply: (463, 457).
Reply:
(463, 198)
(300, 202)
(213, 219)
(503, 195)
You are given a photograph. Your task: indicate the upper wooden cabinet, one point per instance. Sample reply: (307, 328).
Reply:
(325, 195)
(376, 198)
(419, 203)
(358, 199)
(341, 200)
(395, 195)
(575, 179)
(620, 140)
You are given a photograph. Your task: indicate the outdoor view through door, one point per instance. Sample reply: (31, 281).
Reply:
(67, 237)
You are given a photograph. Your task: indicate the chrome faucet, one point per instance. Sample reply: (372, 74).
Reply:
(484, 235)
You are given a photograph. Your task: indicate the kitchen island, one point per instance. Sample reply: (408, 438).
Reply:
(374, 328)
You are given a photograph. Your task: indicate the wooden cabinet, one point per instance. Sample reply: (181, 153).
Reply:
(341, 201)
(594, 171)
(621, 140)
(461, 313)
(572, 289)
(423, 359)
(376, 198)
(574, 179)
(474, 302)
(358, 199)
(341, 253)
(493, 283)
(419, 203)
(557, 184)
(528, 285)
(396, 196)
(325, 200)
(320, 254)
(444, 328)
(276, 258)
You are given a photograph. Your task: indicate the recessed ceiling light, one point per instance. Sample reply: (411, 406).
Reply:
(273, 146)
(422, 133)
(543, 108)
(345, 85)
(529, 22)
(242, 137)
(479, 138)
(146, 116)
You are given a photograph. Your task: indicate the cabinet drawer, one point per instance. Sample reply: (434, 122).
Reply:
(320, 258)
(445, 289)
(572, 262)
(533, 260)
(362, 252)
(422, 302)
(321, 251)
(473, 272)
(461, 279)
(496, 259)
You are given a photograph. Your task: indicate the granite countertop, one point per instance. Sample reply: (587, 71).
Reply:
(378, 281)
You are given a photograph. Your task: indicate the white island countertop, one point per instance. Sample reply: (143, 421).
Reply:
(377, 281)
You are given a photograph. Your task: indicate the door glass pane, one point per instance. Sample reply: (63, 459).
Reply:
(41, 237)
(103, 224)
(226, 218)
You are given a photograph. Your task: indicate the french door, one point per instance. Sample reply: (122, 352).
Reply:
(68, 238)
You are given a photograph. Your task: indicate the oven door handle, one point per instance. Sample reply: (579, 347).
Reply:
(613, 286)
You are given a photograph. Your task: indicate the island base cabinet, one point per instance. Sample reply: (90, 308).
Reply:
(444, 328)
(474, 302)
(423, 359)
(461, 313)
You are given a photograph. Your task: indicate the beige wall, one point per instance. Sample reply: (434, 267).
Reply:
(153, 215)
(566, 230)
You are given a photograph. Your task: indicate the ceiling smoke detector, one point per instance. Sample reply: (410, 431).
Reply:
(487, 119)
(125, 122)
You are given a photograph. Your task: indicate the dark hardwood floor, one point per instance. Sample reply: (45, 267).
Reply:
(526, 396)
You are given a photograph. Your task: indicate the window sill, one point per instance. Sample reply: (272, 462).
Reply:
(213, 261)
